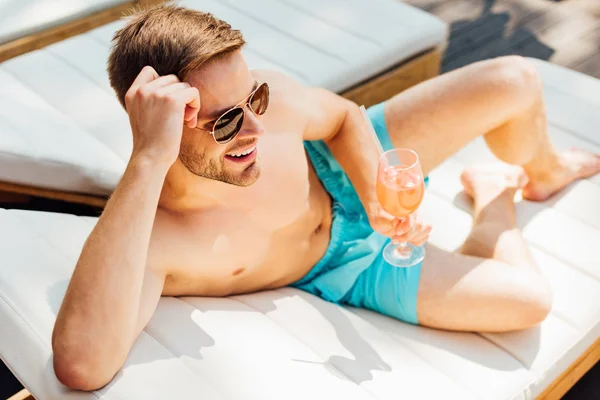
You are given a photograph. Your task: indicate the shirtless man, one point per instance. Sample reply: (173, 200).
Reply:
(193, 215)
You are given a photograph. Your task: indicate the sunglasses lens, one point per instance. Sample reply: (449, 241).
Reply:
(229, 125)
(260, 100)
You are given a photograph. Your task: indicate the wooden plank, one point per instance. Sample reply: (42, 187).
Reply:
(562, 32)
(91, 200)
(14, 198)
(22, 395)
(41, 39)
(580, 50)
(473, 38)
(591, 66)
(538, 32)
(410, 73)
(569, 377)
(591, 6)
(456, 10)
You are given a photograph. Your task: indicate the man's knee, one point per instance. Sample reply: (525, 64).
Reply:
(508, 298)
(518, 76)
(536, 301)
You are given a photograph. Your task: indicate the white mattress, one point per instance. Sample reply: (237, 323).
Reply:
(20, 18)
(286, 344)
(335, 44)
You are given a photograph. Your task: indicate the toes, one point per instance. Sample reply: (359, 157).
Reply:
(465, 180)
(590, 165)
(522, 180)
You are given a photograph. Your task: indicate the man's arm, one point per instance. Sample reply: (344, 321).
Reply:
(115, 289)
(341, 125)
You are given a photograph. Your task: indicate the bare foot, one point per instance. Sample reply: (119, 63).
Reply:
(573, 164)
(486, 183)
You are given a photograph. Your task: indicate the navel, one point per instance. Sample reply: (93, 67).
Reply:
(319, 228)
(238, 271)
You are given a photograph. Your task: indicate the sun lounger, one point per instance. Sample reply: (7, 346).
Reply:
(281, 344)
(77, 146)
(289, 344)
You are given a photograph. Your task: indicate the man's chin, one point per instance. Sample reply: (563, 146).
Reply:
(248, 176)
(240, 176)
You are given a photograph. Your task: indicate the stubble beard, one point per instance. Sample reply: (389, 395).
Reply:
(199, 165)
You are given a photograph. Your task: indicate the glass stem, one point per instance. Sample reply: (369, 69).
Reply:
(403, 250)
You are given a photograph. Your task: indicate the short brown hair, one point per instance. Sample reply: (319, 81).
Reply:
(170, 39)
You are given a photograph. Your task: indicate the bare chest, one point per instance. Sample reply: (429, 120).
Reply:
(271, 241)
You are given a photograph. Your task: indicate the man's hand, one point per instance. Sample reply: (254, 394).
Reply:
(158, 107)
(409, 229)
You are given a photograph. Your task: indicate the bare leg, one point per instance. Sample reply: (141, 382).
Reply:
(494, 284)
(501, 99)
(495, 234)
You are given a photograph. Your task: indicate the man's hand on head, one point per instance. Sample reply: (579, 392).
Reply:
(158, 108)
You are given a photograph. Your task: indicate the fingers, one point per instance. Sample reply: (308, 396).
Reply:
(405, 225)
(385, 227)
(191, 97)
(181, 91)
(171, 88)
(161, 82)
(421, 238)
(417, 236)
(146, 82)
(175, 90)
(407, 229)
(381, 221)
(146, 75)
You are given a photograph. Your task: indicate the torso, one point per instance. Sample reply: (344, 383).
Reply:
(271, 238)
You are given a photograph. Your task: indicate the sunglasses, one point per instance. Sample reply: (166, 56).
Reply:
(228, 125)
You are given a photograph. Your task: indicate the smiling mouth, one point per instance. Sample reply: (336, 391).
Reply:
(242, 156)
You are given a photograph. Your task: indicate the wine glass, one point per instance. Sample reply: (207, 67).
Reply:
(400, 190)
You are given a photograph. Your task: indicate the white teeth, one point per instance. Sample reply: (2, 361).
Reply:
(250, 150)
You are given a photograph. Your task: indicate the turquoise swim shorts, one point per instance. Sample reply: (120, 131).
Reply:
(353, 270)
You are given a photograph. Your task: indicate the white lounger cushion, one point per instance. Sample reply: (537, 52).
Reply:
(20, 18)
(61, 126)
(286, 344)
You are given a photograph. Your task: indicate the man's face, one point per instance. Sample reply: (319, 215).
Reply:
(222, 85)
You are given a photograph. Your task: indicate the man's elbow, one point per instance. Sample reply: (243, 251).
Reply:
(73, 372)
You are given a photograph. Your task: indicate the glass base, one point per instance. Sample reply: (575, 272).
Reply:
(403, 255)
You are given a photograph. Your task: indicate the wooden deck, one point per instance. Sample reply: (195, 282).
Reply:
(564, 32)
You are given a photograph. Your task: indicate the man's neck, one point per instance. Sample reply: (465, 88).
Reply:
(184, 192)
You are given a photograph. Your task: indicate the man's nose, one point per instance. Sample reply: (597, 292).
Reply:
(252, 126)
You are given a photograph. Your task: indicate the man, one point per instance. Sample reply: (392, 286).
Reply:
(236, 184)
